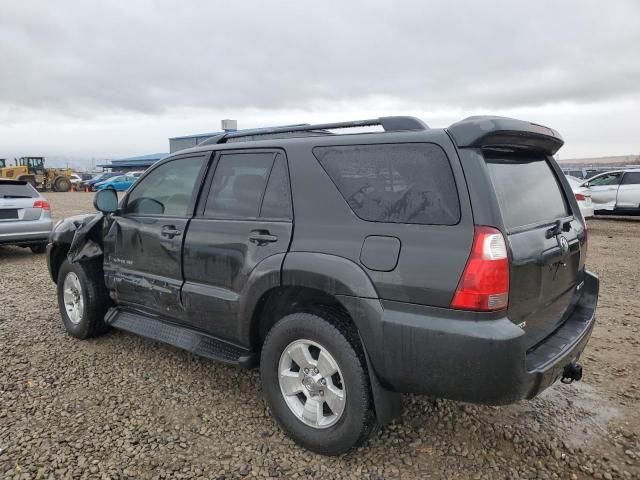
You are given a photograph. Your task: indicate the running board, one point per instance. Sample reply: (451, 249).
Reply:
(181, 337)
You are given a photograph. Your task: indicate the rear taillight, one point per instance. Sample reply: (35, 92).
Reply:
(43, 204)
(484, 285)
(580, 197)
(586, 241)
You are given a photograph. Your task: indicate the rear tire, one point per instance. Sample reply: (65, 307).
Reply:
(38, 248)
(82, 298)
(325, 429)
(61, 184)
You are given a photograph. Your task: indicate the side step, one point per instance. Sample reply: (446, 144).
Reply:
(181, 337)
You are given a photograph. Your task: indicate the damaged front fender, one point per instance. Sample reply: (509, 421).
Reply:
(87, 241)
(80, 236)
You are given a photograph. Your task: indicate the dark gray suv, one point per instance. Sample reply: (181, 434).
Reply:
(349, 267)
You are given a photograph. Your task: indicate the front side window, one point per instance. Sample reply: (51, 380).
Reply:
(396, 183)
(238, 185)
(167, 190)
(607, 179)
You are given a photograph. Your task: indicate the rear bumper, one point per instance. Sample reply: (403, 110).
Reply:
(25, 232)
(436, 352)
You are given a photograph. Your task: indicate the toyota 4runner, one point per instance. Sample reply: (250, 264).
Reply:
(348, 267)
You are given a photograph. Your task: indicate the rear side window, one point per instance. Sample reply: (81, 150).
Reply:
(238, 185)
(631, 178)
(17, 190)
(395, 183)
(527, 190)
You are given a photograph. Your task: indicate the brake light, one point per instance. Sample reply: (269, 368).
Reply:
(484, 285)
(586, 240)
(43, 204)
(580, 197)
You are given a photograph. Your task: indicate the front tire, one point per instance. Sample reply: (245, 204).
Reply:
(38, 248)
(316, 383)
(82, 298)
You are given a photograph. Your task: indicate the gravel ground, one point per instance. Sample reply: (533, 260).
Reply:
(124, 407)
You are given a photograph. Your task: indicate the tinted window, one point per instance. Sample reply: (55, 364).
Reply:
(238, 185)
(167, 190)
(527, 190)
(277, 197)
(17, 190)
(606, 179)
(632, 178)
(400, 183)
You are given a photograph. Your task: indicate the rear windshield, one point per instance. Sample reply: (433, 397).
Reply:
(17, 190)
(527, 190)
(396, 183)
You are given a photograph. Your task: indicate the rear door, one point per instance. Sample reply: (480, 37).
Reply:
(629, 191)
(245, 218)
(143, 248)
(604, 190)
(545, 239)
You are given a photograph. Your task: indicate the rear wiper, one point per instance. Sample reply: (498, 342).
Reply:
(16, 196)
(558, 228)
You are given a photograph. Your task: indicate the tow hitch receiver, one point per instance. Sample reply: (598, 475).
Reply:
(571, 372)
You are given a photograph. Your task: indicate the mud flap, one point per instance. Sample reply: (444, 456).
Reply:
(87, 240)
(387, 404)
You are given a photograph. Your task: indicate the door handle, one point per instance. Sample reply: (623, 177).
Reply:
(170, 231)
(261, 237)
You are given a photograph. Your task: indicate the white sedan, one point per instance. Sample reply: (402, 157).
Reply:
(583, 196)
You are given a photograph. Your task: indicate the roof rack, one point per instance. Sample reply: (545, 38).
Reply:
(390, 124)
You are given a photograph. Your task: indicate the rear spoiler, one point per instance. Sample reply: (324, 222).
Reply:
(503, 132)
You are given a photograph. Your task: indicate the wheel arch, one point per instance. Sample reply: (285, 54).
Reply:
(55, 257)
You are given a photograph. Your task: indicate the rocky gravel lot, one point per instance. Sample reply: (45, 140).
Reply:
(120, 406)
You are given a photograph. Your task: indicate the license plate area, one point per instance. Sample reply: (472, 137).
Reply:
(8, 214)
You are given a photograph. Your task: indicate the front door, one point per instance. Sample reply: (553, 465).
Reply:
(143, 247)
(604, 190)
(245, 218)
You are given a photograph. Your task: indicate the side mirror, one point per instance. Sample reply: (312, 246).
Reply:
(106, 201)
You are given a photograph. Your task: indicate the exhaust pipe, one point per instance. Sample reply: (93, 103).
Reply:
(571, 372)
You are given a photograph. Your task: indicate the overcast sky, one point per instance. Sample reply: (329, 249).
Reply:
(114, 78)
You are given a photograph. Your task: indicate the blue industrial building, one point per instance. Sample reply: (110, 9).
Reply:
(175, 144)
(130, 164)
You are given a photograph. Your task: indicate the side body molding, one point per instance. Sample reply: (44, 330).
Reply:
(329, 273)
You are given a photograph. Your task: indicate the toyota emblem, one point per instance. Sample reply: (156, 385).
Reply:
(564, 244)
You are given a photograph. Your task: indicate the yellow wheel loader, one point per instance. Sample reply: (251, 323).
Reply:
(32, 170)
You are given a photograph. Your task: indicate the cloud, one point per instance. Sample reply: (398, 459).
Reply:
(85, 63)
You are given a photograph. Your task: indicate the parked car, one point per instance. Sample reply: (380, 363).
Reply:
(583, 196)
(25, 216)
(120, 183)
(447, 262)
(98, 178)
(617, 191)
(75, 179)
(136, 174)
(584, 173)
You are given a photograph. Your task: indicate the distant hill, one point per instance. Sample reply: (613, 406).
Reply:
(619, 160)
